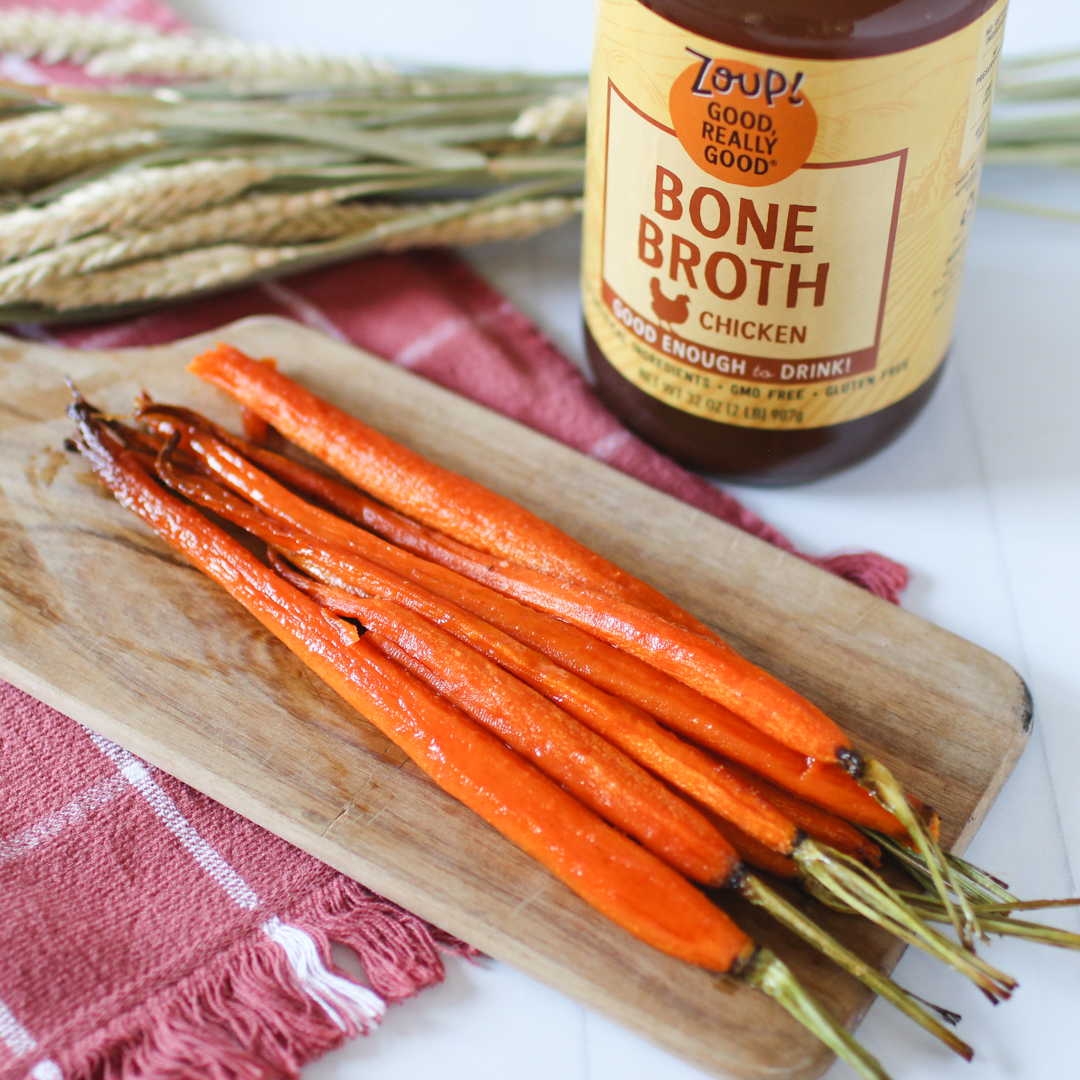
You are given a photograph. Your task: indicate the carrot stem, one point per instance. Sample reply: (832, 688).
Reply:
(886, 788)
(757, 892)
(978, 885)
(866, 893)
(1007, 927)
(771, 975)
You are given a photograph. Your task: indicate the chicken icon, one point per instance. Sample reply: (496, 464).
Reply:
(669, 311)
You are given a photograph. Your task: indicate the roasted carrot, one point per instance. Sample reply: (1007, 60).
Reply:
(345, 501)
(714, 670)
(618, 673)
(476, 516)
(685, 767)
(754, 853)
(615, 672)
(610, 872)
(434, 496)
(773, 700)
(819, 864)
(759, 894)
(598, 774)
(815, 822)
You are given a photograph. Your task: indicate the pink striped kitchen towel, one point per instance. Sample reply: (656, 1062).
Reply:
(146, 931)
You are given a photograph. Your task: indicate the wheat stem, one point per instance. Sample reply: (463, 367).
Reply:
(54, 143)
(255, 219)
(53, 36)
(205, 57)
(559, 119)
(60, 286)
(125, 200)
(160, 279)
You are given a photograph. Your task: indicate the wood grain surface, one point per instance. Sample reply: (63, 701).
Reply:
(99, 619)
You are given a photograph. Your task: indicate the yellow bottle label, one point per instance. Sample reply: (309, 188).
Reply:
(774, 242)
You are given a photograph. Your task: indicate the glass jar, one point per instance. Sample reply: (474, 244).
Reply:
(778, 197)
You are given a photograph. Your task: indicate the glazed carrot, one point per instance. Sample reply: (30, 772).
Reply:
(611, 872)
(255, 427)
(772, 820)
(623, 725)
(618, 673)
(761, 895)
(867, 894)
(714, 670)
(332, 494)
(830, 786)
(616, 876)
(754, 853)
(815, 822)
(469, 685)
(598, 773)
(472, 514)
(434, 496)
(600, 776)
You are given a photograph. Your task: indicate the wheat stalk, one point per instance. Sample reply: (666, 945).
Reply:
(126, 200)
(220, 265)
(48, 145)
(255, 219)
(53, 36)
(511, 222)
(560, 119)
(331, 222)
(180, 217)
(162, 279)
(278, 219)
(191, 57)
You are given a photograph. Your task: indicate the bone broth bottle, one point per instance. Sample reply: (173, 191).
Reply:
(778, 197)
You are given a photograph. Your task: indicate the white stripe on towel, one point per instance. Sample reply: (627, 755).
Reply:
(422, 347)
(608, 445)
(348, 1004)
(308, 313)
(138, 776)
(17, 1039)
(48, 828)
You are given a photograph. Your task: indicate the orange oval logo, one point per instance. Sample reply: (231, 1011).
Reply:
(742, 123)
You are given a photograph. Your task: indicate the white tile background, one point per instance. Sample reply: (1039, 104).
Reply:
(981, 498)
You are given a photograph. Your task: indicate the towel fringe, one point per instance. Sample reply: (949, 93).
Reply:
(276, 1000)
(876, 573)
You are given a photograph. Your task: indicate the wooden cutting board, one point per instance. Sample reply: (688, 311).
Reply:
(102, 621)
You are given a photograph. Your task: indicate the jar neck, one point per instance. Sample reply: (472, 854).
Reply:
(822, 29)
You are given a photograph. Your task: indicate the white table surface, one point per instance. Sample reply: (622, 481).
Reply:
(981, 498)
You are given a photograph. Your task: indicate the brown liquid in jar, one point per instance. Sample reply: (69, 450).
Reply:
(809, 29)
